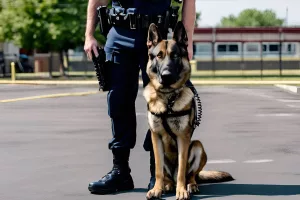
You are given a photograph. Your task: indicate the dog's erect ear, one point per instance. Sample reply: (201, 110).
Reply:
(180, 35)
(154, 36)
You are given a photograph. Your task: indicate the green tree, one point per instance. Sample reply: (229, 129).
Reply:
(198, 18)
(26, 23)
(45, 25)
(252, 18)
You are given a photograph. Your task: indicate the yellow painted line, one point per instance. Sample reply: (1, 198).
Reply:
(46, 82)
(49, 96)
(46, 74)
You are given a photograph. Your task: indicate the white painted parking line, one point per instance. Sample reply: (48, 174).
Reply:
(258, 161)
(289, 88)
(255, 93)
(263, 96)
(224, 161)
(276, 115)
(289, 100)
(293, 106)
(220, 161)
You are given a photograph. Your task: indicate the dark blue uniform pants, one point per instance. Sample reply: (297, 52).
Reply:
(121, 98)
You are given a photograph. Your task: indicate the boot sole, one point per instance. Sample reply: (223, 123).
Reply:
(125, 187)
(108, 191)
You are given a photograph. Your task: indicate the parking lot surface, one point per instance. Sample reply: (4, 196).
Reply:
(51, 148)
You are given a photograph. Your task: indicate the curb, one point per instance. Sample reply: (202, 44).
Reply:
(289, 88)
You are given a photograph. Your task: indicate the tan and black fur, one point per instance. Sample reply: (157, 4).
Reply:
(178, 164)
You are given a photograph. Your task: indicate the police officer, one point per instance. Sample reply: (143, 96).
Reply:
(126, 48)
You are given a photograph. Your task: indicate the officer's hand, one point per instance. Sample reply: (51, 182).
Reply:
(90, 45)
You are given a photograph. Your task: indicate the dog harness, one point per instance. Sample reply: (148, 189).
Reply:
(170, 113)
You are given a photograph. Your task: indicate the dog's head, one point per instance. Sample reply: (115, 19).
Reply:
(168, 65)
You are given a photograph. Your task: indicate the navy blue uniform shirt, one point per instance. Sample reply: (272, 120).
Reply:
(119, 38)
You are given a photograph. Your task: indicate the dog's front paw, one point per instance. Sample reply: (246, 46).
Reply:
(155, 193)
(192, 188)
(182, 194)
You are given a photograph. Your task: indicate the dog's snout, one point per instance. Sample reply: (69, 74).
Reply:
(167, 78)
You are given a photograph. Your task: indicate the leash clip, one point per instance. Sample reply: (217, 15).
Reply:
(131, 12)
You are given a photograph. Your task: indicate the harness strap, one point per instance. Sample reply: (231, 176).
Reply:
(168, 129)
(172, 114)
(169, 114)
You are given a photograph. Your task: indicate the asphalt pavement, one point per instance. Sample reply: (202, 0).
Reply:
(51, 148)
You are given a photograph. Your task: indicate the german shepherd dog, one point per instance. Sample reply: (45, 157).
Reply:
(178, 160)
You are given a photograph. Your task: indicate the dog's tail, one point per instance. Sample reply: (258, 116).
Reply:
(213, 177)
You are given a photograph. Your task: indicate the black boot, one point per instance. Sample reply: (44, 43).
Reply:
(118, 179)
(152, 171)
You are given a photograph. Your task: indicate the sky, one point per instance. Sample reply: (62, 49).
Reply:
(213, 10)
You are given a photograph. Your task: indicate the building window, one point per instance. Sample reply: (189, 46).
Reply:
(264, 47)
(233, 48)
(202, 49)
(252, 48)
(289, 48)
(273, 47)
(222, 48)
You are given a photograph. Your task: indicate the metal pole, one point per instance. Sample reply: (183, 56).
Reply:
(2, 62)
(280, 51)
(213, 65)
(50, 65)
(243, 60)
(261, 60)
(13, 71)
(280, 58)
(297, 49)
(213, 51)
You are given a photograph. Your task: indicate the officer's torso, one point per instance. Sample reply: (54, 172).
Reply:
(145, 6)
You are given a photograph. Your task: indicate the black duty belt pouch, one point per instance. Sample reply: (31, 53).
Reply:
(102, 69)
(104, 24)
(129, 18)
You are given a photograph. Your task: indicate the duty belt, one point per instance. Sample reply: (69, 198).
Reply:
(130, 19)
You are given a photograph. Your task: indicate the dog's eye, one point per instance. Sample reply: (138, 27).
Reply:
(160, 54)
